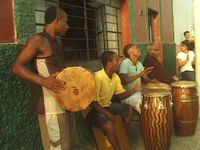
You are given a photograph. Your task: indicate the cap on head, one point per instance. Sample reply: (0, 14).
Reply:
(50, 14)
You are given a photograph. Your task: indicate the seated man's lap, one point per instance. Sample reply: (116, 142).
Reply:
(133, 100)
(98, 119)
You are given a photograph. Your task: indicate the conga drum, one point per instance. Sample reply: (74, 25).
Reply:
(80, 89)
(156, 119)
(185, 107)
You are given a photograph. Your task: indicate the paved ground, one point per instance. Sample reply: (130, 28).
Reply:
(177, 142)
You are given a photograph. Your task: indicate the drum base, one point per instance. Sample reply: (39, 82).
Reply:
(185, 129)
(185, 116)
(102, 141)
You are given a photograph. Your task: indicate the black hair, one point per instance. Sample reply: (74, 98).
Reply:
(185, 33)
(106, 57)
(50, 14)
(185, 43)
(126, 48)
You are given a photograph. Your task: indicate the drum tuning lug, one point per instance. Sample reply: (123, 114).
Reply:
(161, 106)
(146, 105)
(171, 104)
(183, 96)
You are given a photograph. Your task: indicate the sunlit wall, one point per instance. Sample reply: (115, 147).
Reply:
(183, 11)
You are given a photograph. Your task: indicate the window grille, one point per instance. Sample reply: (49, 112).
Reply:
(94, 27)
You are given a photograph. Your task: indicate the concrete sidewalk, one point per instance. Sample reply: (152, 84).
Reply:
(177, 142)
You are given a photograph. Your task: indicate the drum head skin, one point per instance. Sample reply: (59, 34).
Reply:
(183, 84)
(155, 92)
(158, 86)
(80, 90)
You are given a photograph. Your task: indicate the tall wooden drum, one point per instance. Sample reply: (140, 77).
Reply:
(156, 119)
(80, 90)
(185, 107)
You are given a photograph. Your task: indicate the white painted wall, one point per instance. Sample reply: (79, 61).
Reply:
(197, 44)
(183, 11)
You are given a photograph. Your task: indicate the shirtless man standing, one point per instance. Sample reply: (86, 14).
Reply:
(56, 124)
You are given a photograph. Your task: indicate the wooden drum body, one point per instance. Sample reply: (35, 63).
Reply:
(102, 141)
(185, 107)
(80, 90)
(156, 119)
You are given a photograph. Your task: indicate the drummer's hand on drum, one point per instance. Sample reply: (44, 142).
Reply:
(54, 84)
(155, 81)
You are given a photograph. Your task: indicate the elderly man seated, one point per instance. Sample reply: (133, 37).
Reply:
(158, 71)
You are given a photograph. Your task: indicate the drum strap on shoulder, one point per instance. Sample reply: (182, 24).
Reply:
(54, 45)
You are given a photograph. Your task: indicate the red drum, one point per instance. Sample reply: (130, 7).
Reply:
(185, 107)
(156, 119)
(80, 91)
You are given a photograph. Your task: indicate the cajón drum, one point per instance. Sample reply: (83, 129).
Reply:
(102, 141)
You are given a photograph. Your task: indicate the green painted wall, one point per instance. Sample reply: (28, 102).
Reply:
(132, 21)
(19, 127)
(169, 57)
(143, 47)
(24, 19)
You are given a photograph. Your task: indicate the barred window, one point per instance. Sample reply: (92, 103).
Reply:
(94, 27)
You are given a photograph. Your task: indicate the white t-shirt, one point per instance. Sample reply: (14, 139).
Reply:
(183, 57)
